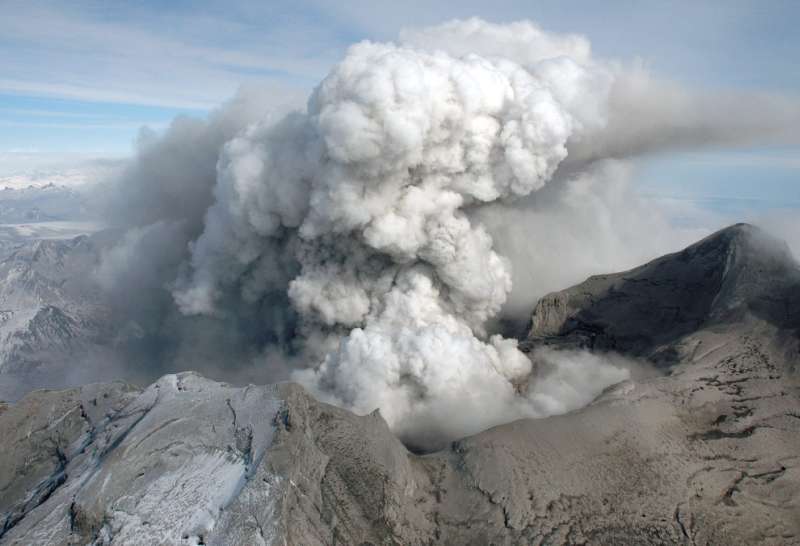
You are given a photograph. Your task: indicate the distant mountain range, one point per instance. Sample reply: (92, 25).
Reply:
(49, 312)
(51, 316)
(45, 203)
(707, 451)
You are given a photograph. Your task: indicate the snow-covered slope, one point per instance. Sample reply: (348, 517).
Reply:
(50, 313)
(165, 465)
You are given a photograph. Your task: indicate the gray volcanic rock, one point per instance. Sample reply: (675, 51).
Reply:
(708, 453)
(737, 272)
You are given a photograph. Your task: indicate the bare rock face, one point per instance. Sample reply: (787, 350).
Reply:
(736, 273)
(707, 453)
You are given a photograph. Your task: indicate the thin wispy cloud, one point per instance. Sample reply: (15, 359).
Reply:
(96, 93)
(31, 112)
(113, 55)
(788, 160)
(129, 125)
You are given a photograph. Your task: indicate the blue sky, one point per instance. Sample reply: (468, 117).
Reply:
(80, 78)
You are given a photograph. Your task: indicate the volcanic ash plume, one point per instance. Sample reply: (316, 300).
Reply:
(357, 208)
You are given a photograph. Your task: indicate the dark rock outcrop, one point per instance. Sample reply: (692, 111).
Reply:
(735, 273)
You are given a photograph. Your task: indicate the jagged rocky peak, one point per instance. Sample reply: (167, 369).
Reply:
(53, 320)
(737, 271)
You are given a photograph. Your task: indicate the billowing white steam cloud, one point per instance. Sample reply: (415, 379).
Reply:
(367, 191)
(350, 234)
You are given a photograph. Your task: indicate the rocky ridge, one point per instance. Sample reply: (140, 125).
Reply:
(50, 312)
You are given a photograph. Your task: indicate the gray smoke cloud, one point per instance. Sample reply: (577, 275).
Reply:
(588, 222)
(364, 245)
(158, 206)
(367, 191)
(648, 115)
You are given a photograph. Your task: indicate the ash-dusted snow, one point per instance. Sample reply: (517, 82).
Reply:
(161, 470)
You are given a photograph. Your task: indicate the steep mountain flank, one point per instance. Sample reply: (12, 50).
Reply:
(737, 272)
